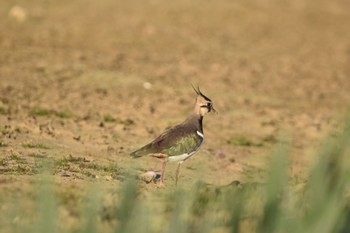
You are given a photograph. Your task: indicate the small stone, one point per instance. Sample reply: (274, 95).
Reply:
(18, 13)
(149, 176)
(147, 85)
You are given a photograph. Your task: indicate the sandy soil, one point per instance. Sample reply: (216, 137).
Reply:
(84, 83)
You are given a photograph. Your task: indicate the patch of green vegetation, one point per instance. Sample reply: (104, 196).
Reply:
(64, 115)
(49, 112)
(128, 122)
(38, 146)
(18, 170)
(88, 174)
(3, 111)
(37, 155)
(72, 159)
(243, 141)
(2, 162)
(3, 144)
(65, 161)
(109, 118)
(15, 165)
(112, 168)
(18, 159)
(85, 167)
(115, 171)
(41, 112)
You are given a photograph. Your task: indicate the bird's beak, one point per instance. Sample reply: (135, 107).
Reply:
(214, 111)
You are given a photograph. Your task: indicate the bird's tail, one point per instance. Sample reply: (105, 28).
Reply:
(136, 154)
(140, 152)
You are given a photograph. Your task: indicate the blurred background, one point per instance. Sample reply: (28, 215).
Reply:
(83, 83)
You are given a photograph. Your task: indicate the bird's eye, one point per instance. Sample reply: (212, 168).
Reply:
(209, 104)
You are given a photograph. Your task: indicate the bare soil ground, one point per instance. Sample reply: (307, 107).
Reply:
(84, 83)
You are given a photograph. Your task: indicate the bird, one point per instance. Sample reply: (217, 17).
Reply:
(179, 143)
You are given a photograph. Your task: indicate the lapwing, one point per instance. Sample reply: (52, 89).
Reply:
(182, 141)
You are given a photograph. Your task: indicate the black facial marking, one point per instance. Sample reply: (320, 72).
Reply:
(207, 106)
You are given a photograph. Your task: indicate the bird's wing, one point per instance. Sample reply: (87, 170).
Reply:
(186, 144)
(174, 141)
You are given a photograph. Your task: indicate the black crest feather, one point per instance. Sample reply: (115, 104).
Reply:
(198, 92)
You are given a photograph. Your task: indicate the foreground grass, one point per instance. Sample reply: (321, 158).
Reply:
(320, 204)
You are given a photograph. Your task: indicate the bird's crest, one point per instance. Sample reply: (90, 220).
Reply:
(198, 92)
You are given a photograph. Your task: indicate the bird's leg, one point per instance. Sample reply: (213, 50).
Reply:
(177, 173)
(156, 165)
(163, 171)
(163, 157)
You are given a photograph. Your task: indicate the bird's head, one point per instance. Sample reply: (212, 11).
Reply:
(203, 103)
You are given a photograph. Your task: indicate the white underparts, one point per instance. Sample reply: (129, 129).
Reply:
(200, 135)
(183, 157)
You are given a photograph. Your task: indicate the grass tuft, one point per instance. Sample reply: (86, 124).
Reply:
(38, 146)
(64, 115)
(3, 111)
(243, 141)
(109, 118)
(40, 112)
(15, 165)
(87, 168)
(17, 159)
(3, 144)
(37, 155)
